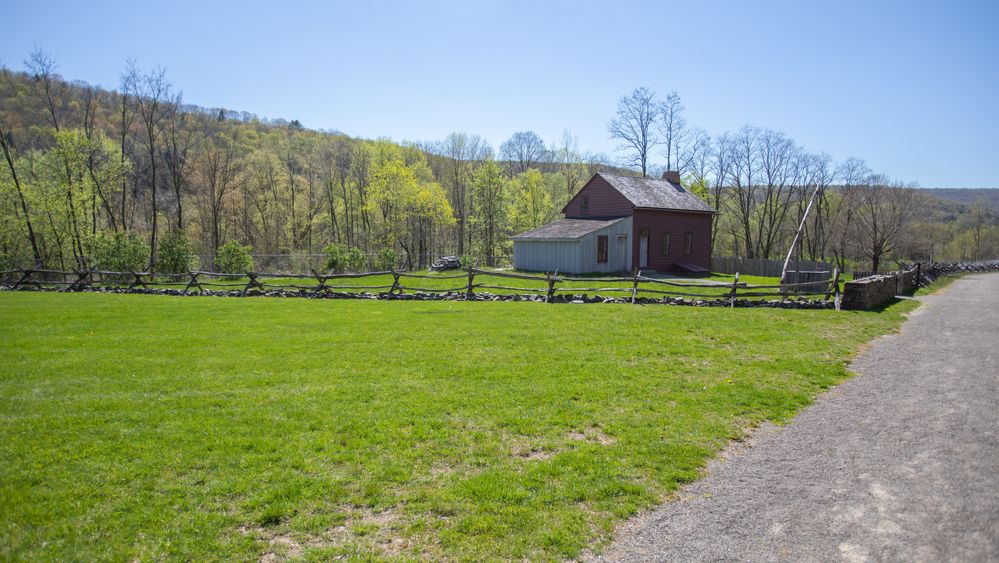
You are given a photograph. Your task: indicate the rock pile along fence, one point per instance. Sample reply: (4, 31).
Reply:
(475, 285)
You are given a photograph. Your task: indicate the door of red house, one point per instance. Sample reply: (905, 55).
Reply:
(643, 250)
(621, 253)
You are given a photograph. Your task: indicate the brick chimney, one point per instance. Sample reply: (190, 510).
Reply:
(671, 176)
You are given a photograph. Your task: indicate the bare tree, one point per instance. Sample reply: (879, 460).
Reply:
(522, 150)
(152, 91)
(126, 118)
(219, 167)
(743, 173)
(674, 129)
(720, 169)
(635, 127)
(7, 145)
(851, 173)
(884, 210)
(177, 153)
(41, 66)
(569, 163)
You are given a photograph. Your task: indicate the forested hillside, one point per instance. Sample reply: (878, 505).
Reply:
(136, 168)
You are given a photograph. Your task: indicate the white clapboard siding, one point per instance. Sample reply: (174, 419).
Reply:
(577, 256)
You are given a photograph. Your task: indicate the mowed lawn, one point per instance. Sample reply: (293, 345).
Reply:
(153, 427)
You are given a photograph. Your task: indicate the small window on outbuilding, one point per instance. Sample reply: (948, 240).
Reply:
(688, 244)
(666, 242)
(584, 205)
(602, 249)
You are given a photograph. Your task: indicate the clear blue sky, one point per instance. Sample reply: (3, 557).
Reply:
(911, 87)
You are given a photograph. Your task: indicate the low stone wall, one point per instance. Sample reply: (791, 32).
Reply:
(906, 282)
(875, 291)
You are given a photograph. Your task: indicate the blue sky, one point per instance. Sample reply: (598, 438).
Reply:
(911, 87)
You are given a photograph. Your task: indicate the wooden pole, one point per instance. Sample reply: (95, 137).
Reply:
(634, 287)
(917, 276)
(471, 279)
(735, 286)
(797, 235)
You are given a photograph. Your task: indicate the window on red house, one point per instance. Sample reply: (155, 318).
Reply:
(688, 245)
(602, 249)
(666, 244)
(584, 206)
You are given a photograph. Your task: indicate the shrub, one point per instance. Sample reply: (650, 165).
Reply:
(386, 259)
(335, 257)
(176, 255)
(339, 258)
(118, 252)
(470, 260)
(356, 260)
(234, 258)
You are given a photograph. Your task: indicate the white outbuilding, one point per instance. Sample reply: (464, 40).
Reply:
(576, 246)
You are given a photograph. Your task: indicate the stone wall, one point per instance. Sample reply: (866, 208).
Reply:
(878, 290)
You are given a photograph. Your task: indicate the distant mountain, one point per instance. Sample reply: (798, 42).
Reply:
(966, 196)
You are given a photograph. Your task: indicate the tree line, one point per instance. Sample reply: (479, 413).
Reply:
(82, 164)
(761, 182)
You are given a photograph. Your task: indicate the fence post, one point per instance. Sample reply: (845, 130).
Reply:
(471, 278)
(634, 287)
(78, 282)
(136, 280)
(192, 282)
(917, 277)
(395, 282)
(833, 284)
(25, 278)
(735, 286)
(837, 297)
(252, 283)
(321, 285)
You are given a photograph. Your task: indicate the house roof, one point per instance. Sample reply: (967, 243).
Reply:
(656, 193)
(567, 229)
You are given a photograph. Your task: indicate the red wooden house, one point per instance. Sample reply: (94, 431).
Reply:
(656, 225)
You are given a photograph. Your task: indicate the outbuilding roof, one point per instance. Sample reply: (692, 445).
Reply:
(656, 193)
(567, 229)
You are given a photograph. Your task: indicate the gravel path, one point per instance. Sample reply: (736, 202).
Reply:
(898, 463)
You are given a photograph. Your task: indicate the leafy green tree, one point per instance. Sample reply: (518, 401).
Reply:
(489, 215)
(176, 255)
(234, 258)
(118, 252)
(409, 204)
(531, 204)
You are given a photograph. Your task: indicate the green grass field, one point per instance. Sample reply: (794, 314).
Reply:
(152, 427)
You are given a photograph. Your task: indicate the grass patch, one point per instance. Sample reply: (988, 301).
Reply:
(212, 428)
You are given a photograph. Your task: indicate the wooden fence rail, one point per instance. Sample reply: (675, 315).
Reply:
(474, 279)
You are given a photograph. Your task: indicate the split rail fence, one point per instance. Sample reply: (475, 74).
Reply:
(392, 283)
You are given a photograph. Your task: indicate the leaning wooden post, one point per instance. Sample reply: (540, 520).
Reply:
(735, 288)
(136, 280)
(192, 282)
(917, 277)
(81, 275)
(25, 278)
(395, 282)
(634, 287)
(471, 279)
(253, 283)
(321, 285)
